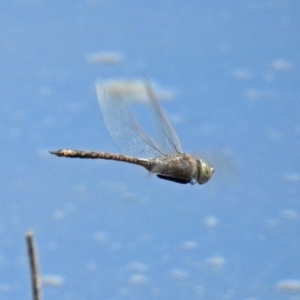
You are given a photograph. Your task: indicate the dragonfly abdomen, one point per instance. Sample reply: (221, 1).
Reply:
(100, 155)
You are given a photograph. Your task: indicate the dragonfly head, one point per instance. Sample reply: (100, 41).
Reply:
(204, 171)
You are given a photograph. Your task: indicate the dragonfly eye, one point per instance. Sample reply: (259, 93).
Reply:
(204, 171)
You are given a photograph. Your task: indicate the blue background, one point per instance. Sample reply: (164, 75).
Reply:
(109, 230)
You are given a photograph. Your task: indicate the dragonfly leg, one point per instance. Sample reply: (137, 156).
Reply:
(173, 179)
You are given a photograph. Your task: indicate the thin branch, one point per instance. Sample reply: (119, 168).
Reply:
(34, 266)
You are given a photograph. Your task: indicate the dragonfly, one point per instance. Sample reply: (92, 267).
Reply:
(165, 158)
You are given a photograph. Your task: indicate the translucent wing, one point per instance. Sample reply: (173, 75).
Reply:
(122, 126)
(170, 142)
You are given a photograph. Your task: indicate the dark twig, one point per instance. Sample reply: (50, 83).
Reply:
(34, 266)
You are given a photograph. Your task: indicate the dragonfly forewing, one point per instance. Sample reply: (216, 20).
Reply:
(126, 131)
(122, 126)
(170, 140)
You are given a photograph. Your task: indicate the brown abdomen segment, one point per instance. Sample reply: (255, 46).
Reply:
(100, 155)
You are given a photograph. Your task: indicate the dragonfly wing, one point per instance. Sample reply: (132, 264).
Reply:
(122, 126)
(170, 142)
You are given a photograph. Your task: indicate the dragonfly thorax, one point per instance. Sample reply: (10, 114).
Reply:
(179, 166)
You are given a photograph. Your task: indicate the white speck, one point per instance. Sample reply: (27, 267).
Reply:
(52, 246)
(124, 291)
(138, 267)
(114, 186)
(116, 247)
(292, 177)
(3, 260)
(281, 65)
(272, 223)
(129, 197)
(5, 287)
(49, 122)
(19, 117)
(242, 74)
(254, 94)
(63, 213)
(297, 129)
(274, 135)
(80, 190)
(100, 237)
(199, 290)
(176, 119)
(288, 285)
(216, 263)
(45, 91)
(229, 294)
(269, 76)
(146, 238)
(189, 246)
(91, 267)
(59, 215)
(133, 89)
(104, 58)
(179, 274)
(2, 228)
(138, 279)
(211, 221)
(290, 214)
(53, 280)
